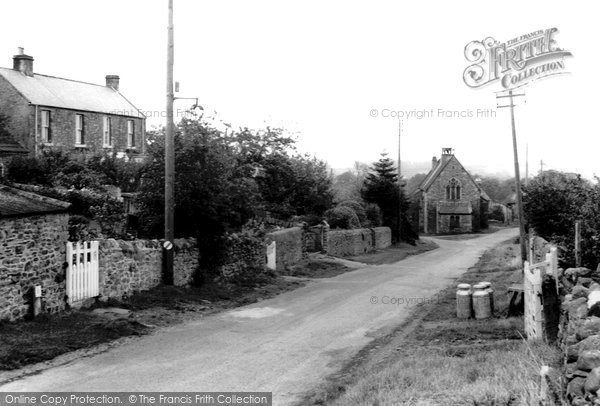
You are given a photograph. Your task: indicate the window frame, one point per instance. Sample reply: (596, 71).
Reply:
(107, 141)
(130, 134)
(79, 130)
(453, 190)
(46, 133)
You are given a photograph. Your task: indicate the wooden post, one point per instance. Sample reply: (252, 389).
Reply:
(169, 161)
(578, 243)
(530, 251)
(522, 237)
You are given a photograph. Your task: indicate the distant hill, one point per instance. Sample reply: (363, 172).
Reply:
(410, 169)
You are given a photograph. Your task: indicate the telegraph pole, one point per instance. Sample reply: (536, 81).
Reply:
(400, 183)
(517, 174)
(527, 164)
(169, 161)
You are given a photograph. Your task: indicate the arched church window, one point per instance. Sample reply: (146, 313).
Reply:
(453, 190)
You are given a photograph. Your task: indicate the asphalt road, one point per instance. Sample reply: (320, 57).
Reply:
(285, 345)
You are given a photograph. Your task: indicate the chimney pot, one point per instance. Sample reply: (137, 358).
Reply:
(23, 63)
(112, 81)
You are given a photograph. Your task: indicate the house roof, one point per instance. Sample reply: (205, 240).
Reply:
(15, 202)
(454, 207)
(51, 91)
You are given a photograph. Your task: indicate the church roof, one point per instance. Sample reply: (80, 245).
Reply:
(439, 168)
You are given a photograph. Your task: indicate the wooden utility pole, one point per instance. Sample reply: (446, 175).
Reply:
(169, 160)
(522, 237)
(400, 185)
(527, 164)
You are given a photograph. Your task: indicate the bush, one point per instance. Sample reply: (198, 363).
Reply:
(56, 168)
(342, 217)
(80, 230)
(373, 213)
(552, 205)
(358, 208)
(27, 170)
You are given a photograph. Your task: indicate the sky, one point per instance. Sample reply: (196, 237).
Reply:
(321, 69)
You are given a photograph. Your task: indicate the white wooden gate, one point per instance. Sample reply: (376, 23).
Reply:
(82, 271)
(534, 274)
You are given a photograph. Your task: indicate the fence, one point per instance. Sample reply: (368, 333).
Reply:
(82, 271)
(534, 274)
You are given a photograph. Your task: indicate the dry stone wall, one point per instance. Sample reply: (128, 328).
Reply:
(382, 237)
(32, 252)
(128, 267)
(350, 242)
(580, 334)
(289, 247)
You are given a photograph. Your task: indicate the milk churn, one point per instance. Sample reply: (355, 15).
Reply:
(481, 302)
(488, 287)
(463, 301)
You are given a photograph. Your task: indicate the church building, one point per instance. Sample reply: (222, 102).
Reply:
(450, 200)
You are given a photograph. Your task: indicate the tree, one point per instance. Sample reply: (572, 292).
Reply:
(381, 187)
(212, 196)
(553, 202)
(413, 183)
(224, 180)
(347, 185)
(497, 189)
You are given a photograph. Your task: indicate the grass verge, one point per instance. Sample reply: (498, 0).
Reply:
(436, 359)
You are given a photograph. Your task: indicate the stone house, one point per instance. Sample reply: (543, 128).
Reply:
(76, 117)
(33, 233)
(450, 200)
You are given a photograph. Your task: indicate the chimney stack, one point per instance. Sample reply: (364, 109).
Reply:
(434, 162)
(112, 81)
(23, 63)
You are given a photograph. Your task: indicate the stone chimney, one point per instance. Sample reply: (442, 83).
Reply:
(434, 162)
(112, 81)
(23, 63)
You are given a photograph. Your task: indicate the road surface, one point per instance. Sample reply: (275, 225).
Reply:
(285, 345)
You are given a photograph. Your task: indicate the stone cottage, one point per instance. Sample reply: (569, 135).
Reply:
(76, 117)
(450, 200)
(33, 233)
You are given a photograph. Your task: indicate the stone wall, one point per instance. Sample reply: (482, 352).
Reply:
(289, 247)
(382, 237)
(128, 267)
(246, 259)
(314, 239)
(580, 332)
(578, 319)
(350, 242)
(32, 252)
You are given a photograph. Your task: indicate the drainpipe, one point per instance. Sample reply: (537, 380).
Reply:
(36, 132)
